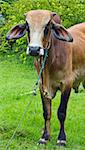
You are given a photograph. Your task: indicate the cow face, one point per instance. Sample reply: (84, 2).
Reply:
(40, 26)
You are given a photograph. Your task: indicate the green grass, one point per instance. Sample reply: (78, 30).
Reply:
(17, 79)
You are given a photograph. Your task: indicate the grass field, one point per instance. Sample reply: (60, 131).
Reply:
(15, 81)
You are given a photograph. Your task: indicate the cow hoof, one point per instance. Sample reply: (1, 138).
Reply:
(61, 143)
(42, 141)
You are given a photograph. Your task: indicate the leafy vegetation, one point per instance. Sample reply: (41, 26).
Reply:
(71, 12)
(15, 81)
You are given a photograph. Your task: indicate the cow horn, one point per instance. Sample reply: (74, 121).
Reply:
(55, 17)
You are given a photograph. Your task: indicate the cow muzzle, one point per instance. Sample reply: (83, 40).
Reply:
(35, 51)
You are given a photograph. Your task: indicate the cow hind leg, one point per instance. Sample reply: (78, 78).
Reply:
(62, 116)
(47, 116)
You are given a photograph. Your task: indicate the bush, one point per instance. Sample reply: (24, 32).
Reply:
(71, 12)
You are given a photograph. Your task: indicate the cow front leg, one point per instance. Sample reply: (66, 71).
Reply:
(62, 116)
(46, 103)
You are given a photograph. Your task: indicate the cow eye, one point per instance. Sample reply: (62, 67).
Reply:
(28, 30)
(46, 30)
(27, 27)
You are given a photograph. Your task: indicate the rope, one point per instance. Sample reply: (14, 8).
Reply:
(43, 65)
(12, 137)
(37, 82)
(34, 94)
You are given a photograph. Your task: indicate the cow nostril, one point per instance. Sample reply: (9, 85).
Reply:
(34, 48)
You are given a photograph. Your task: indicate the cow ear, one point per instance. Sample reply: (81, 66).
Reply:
(16, 32)
(61, 33)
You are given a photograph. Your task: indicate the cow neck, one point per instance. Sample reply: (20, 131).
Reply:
(41, 66)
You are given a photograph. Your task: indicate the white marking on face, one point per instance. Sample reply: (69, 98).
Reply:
(35, 39)
(41, 52)
(27, 52)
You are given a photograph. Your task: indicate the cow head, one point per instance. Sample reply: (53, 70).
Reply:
(40, 25)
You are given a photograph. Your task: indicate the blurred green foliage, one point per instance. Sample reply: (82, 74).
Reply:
(71, 12)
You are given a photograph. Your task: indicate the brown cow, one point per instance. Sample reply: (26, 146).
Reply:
(65, 63)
